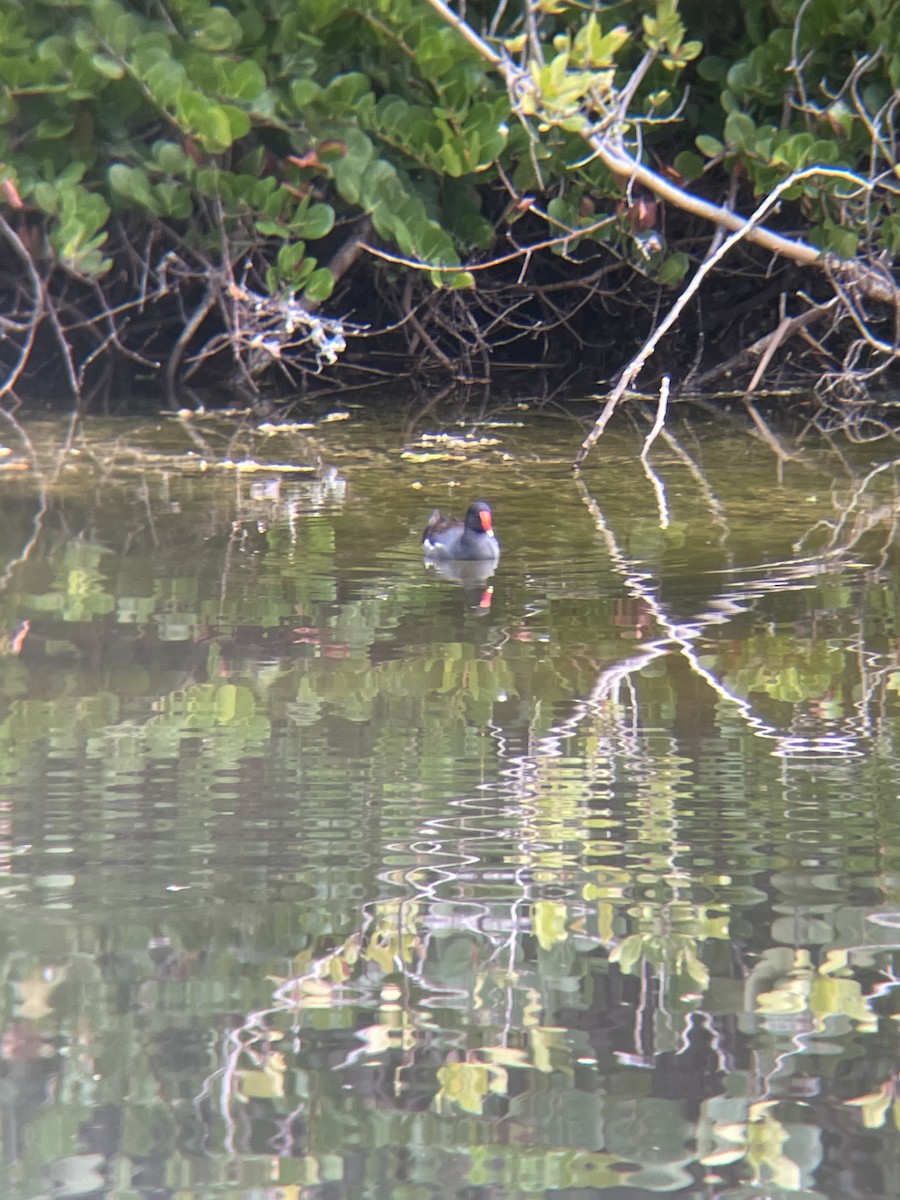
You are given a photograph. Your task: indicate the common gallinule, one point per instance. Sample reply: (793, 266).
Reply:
(471, 540)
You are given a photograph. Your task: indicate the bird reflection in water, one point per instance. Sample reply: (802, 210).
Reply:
(472, 577)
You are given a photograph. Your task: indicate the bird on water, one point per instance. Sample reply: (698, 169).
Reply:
(470, 540)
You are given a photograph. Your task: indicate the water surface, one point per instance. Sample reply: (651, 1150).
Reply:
(325, 876)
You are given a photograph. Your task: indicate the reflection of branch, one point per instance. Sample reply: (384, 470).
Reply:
(768, 436)
(658, 485)
(682, 636)
(837, 529)
(716, 510)
(37, 522)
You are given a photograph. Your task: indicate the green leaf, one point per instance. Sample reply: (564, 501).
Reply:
(109, 68)
(320, 286)
(133, 184)
(438, 54)
(844, 242)
(52, 128)
(355, 166)
(246, 80)
(218, 30)
(165, 81)
(303, 272)
(889, 234)
(119, 29)
(345, 91)
(433, 244)
(174, 200)
(273, 229)
(712, 68)
(290, 256)
(740, 132)
(708, 145)
(170, 158)
(80, 230)
(674, 269)
(303, 92)
(262, 191)
(451, 159)
(461, 215)
(275, 204)
(689, 165)
(314, 222)
(210, 123)
(593, 48)
(46, 198)
(562, 212)
(239, 123)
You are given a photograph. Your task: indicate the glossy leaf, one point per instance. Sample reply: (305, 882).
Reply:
(320, 285)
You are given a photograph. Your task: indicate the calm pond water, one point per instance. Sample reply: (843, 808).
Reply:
(325, 876)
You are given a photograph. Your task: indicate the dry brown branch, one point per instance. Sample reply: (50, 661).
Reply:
(633, 369)
(345, 256)
(521, 252)
(785, 329)
(199, 315)
(743, 358)
(421, 334)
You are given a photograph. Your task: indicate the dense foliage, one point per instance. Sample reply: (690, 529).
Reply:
(191, 183)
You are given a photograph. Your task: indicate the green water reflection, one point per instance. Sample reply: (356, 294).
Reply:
(323, 876)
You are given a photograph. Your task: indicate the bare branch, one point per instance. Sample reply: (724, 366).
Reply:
(637, 363)
(37, 307)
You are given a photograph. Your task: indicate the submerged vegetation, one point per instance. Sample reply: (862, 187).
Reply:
(281, 192)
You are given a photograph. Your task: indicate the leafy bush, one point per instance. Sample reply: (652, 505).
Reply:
(247, 142)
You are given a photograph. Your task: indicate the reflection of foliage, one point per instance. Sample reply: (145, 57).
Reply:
(466, 1086)
(775, 1152)
(207, 706)
(80, 593)
(392, 939)
(669, 943)
(786, 983)
(481, 891)
(786, 668)
(878, 1106)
